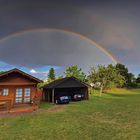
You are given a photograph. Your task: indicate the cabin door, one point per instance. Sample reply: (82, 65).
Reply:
(22, 95)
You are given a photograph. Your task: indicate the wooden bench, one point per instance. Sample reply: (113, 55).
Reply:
(5, 105)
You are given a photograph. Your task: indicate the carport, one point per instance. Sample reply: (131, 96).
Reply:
(64, 86)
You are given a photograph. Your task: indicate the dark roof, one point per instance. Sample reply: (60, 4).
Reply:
(57, 82)
(21, 72)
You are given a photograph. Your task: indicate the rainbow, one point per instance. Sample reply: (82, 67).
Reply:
(65, 31)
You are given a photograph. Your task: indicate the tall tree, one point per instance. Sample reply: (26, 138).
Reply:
(129, 77)
(106, 76)
(75, 72)
(51, 75)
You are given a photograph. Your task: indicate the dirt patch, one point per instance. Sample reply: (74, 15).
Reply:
(15, 114)
(56, 108)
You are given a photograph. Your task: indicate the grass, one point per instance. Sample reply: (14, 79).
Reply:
(114, 116)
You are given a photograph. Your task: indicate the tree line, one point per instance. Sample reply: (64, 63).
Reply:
(102, 77)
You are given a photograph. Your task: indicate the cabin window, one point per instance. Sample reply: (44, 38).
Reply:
(18, 100)
(4, 92)
(27, 92)
(27, 99)
(18, 95)
(19, 92)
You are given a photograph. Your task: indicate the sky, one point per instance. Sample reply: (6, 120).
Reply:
(36, 35)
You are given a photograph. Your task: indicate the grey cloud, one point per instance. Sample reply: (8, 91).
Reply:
(113, 24)
(51, 48)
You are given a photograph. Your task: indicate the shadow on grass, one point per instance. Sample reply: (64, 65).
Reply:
(122, 94)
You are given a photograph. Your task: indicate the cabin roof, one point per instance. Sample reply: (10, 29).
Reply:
(20, 72)
(58, 82)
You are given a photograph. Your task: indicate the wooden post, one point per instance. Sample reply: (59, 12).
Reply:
(87, 94)
(48, 96)
(52, 95)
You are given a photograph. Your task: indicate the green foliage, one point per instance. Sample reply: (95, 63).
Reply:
(2, 72)
(138, 85)
(41, 85)
(75, 72)
(60, 77)
(138, 79)
(51, 75)
(107, 77)
(129, 77)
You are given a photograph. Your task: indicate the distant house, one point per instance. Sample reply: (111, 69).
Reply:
(17, 87)
(65, 86)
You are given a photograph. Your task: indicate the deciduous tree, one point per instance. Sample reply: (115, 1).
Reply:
(75, 72)
(129, 77)
(106, 76)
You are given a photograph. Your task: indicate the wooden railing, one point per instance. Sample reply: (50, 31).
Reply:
(5, 105)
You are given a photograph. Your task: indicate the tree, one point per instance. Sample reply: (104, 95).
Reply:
(138, 79)
(51, 75)
(42, 84)
(129, 77)
(60, 77)
(75, 72)
(106, 76)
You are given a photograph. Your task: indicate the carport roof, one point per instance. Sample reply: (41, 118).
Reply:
(61, 81)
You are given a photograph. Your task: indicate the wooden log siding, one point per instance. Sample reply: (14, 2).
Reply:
(15, 79)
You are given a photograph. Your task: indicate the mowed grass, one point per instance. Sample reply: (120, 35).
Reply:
(114, 116)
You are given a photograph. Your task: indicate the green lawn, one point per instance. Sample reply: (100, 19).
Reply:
(114, 116)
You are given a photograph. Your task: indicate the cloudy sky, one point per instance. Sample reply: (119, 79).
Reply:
(38, 34)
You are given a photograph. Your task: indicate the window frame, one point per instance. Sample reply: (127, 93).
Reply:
(27, 95)
(19, 95)
(27, 92)
(4, 92)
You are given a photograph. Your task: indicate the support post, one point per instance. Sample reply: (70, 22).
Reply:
(48, 93)
(87, 94)
(43, 95)
(53, 95)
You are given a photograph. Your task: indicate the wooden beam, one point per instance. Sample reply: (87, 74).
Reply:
(15, 84)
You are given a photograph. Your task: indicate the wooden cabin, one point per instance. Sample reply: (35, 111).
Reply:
(17, 87)
(65, 86)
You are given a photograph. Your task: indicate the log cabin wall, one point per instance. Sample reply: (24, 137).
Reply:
(14, 81)
(11, 97)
